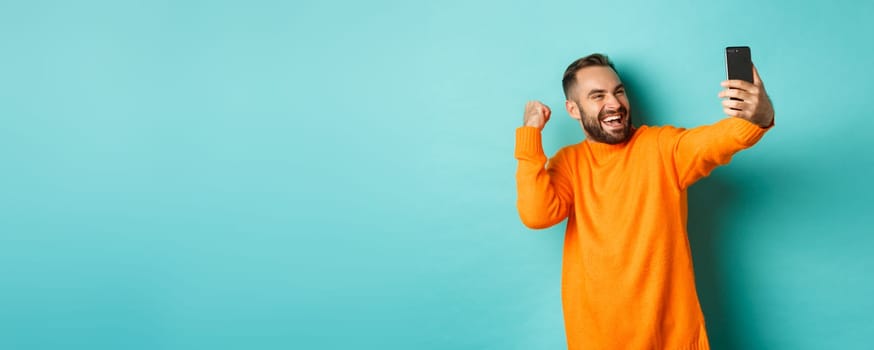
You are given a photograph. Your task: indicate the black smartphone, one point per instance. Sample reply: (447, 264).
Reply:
(738, 64)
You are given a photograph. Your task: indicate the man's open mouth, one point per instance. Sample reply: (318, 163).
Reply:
(613, 121)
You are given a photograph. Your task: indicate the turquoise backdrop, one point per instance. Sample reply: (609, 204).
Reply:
(340, 175)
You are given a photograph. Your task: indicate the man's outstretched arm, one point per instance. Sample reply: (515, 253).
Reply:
(696, 152)
(544, 193)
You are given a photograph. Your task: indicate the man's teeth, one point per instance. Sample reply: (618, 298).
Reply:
(612, 119)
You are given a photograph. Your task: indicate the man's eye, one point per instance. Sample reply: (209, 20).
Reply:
(597, 97)
(620, 92)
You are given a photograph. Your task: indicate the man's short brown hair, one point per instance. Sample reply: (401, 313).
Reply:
(570, 74)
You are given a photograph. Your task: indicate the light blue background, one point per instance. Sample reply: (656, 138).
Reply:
(340, 175)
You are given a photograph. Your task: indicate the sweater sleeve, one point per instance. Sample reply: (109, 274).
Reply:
(696, 152)
(545, 194)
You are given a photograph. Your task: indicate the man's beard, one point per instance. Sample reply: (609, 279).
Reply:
(596, 131)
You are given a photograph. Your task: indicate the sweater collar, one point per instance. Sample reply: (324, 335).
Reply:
(605, 149)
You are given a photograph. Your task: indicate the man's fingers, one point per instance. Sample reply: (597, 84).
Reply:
(537, 108)
(736, 113)
(742, 96)
(740, 85)
(747, 100)
(733, 104)
(536, 114)
(533, 107)
(735, 93)
(756, 80)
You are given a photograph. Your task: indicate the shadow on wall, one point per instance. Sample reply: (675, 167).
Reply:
(709, 200)
(642, 107)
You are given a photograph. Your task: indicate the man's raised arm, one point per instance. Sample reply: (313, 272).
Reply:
(545, 194)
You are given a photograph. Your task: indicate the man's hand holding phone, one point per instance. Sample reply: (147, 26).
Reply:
(752, 102)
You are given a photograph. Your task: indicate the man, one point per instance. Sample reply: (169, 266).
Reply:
(627, 277)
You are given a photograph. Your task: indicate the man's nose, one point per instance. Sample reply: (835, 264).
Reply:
(611, 101)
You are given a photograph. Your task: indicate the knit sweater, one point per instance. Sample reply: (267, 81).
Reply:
(627, 277)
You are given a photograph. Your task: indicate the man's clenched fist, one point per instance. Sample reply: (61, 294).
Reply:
(536, 114)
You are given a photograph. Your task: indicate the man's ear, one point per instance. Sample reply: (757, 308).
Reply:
(572, 109)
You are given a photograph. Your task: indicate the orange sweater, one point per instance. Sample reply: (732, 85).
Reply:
(627, 277)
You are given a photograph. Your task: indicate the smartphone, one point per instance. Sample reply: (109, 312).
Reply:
(738, 64)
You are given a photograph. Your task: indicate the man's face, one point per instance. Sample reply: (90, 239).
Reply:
(598, 100)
